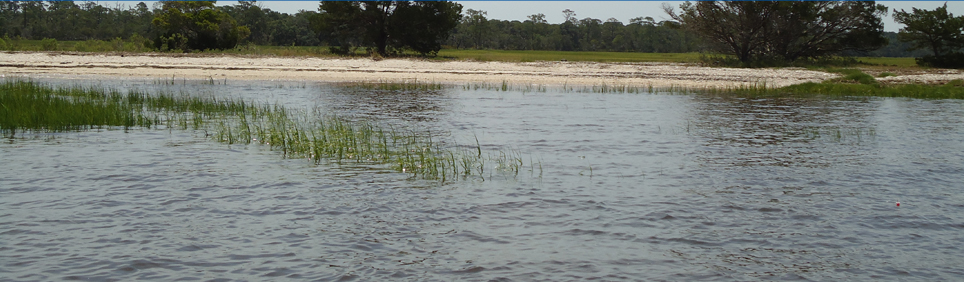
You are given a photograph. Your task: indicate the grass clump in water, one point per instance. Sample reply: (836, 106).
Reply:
(856, 83)
(28, 106)
(951, 90)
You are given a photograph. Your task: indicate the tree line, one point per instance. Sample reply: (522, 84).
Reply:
(747, 30)
(70, 21)
(642, 34)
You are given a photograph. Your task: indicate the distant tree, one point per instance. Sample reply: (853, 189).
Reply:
(253, 16)
(568, 39)
(591, 31)
(569, 16)
(294, 30)
(477, 25)
(387, 26)
(423, 26)
(536, 31)
(340, 22)
(784, 29)
(936, 30)
(611, 37)
(804, 29)
(196, 25)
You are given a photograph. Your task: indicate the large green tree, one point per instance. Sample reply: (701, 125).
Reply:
(196, 25)
(387, 27)
(785, 30)
(936, 30)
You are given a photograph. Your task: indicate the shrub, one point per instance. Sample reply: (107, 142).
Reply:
(49, 44)
(717, 60)
(950, 61)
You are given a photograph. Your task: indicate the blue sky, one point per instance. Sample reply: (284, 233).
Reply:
(620, 10)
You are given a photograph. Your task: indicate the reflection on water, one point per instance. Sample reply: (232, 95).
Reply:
(617, 187)
(408, 106)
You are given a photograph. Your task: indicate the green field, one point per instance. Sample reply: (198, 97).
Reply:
(888, 62)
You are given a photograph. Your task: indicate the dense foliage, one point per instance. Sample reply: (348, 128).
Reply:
(270, 27)
(938, 31)
(196, 25)
(65, 20)
(588, 34)
(784, 30)
(387, 27)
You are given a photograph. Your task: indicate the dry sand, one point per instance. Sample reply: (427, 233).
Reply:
(396, 70)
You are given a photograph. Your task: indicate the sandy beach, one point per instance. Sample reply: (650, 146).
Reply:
(397, 70)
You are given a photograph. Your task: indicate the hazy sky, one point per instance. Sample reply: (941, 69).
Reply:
(603, 10)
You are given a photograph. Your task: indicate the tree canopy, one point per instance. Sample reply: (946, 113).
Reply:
(196, 25)
(936, 30)
(386, 27)
(785, 30)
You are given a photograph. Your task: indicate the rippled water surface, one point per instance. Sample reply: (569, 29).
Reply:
(614, 187)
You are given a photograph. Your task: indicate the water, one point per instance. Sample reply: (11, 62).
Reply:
(614, 187)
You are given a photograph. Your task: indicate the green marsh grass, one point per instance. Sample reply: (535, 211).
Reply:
(948, 91)
(852, 83)
(33, 107)
(26, 106)
(888, 61)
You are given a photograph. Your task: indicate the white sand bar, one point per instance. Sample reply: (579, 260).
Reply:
(395, 70)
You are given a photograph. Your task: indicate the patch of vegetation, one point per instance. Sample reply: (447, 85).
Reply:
(572, 56)
(29, 106)
(788, 30)
(32, 107)
(720, 60)
(953, 60)
(938, 31)
(135, 43)
(948, 91)
(855, 83)
(852, 76)
(49, 44)
(905, 62)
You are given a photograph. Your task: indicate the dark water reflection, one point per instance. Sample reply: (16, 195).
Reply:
(624, 187)
(411, 106)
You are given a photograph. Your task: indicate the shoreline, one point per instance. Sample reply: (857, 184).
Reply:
(658, 75)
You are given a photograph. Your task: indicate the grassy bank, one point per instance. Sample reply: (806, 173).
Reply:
(952, 90)
(854, 82)
(533, 55)
(32, 107)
